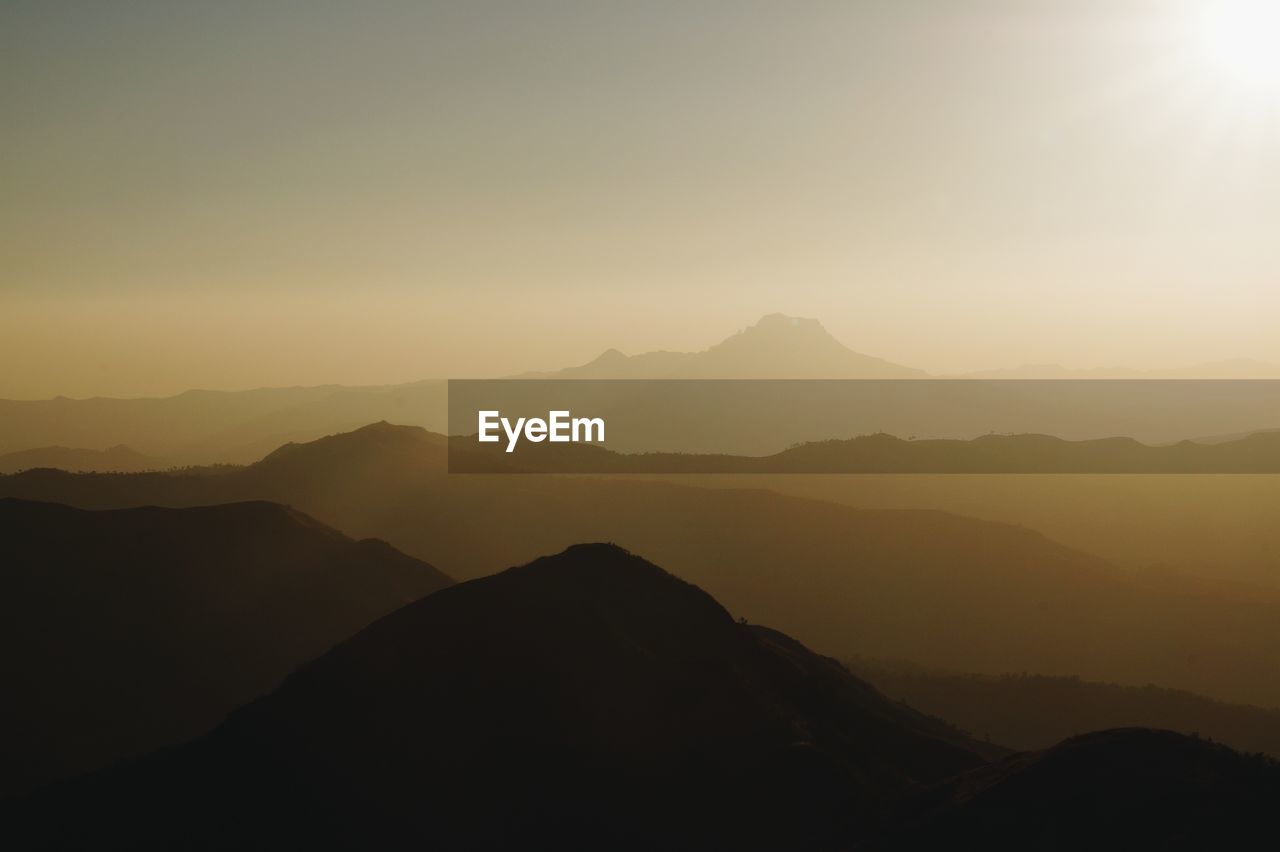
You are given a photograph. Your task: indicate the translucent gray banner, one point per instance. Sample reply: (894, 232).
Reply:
(882, 426)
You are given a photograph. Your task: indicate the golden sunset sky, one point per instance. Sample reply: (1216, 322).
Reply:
(231, 195)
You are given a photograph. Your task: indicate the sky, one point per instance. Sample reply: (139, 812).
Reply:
(231, 195)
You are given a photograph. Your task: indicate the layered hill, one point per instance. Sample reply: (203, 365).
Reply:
(590, 700)
(119, 458)
(123, 631)
(1219, 526)
(944, 590)
(1030, 711)
(205, 427)
(587, 700)
(1120, 789)
(202, 427)
(881, 453)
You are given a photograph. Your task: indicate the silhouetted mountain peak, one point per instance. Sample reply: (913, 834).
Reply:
(381, 440)
(609, 577)
(595, 560)
(604, 563)
(619, 706)
(591, 607)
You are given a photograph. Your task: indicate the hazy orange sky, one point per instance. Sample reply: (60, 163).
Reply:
(233, 194)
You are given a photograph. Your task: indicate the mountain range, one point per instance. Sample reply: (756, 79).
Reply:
(202, 427)
(591, 700)
(872, 454)
(205, 427)
(937, 588)
(603, 702)
(118, 458)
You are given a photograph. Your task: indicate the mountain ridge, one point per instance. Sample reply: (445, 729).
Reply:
(201, 427)
(609, 703)
(1032, 712)
(127, 629)
(120, 458)
(1120, 789)
(602, 702)
(881, 453)
(940, 588)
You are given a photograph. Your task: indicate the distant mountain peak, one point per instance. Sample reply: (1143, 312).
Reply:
(785, 321)
(783, 328)
(777, 346)
(609, 356)
(779, 320)
(607, 566)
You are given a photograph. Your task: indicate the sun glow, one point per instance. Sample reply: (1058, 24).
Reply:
(1241, 39)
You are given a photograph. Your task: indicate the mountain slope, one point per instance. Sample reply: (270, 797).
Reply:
(1027, 711)
(783, 347)
(205, 427)
(883, 453)
(585, 700)
(119, 458)
(1120, 789)
(121, 631)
